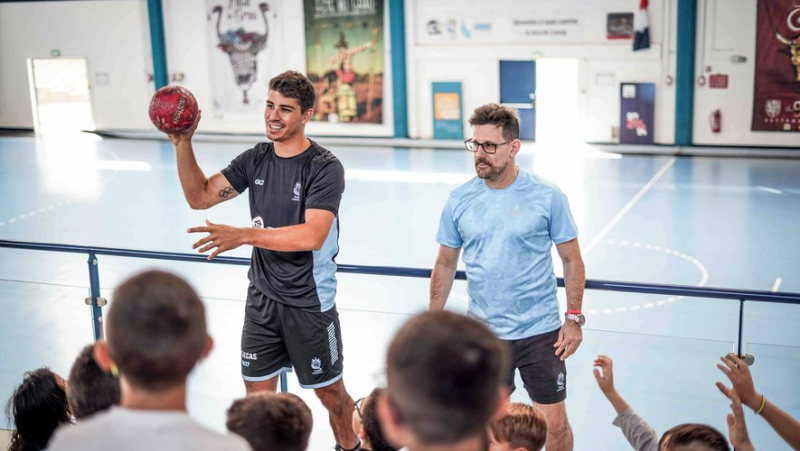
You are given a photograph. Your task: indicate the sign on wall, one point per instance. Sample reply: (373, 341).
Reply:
(470, 25)
(243, 53)
(637, 113)
(345, 59)
(776, 99)
(448, 122)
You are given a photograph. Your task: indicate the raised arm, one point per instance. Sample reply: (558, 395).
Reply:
(444, 271)
(200, 192)
(744, 389)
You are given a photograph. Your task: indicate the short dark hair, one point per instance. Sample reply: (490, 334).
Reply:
(90, 389)
(522, 426)
(433, 361)
(688, 433)
(506, 118)
(372, 426)
(38, 406)
(156, 330)
(271, 421)
(295, 85)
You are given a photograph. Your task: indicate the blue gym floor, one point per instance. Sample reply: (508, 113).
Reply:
(719, 222)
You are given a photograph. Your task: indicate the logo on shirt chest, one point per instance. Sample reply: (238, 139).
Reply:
(259, 182)
(296, 192)
(258, 222)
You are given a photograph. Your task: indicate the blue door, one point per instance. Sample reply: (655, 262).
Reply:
(518, 90)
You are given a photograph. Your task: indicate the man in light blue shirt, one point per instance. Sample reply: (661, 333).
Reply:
(506, 220)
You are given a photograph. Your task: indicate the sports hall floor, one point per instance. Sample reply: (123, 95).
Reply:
(719, 222)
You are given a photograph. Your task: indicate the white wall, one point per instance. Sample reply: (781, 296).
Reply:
(727, 28)
(606, 63)
(111, 35)
(189, 51)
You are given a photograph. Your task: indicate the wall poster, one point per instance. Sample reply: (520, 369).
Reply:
(345, 59)
(776, 99)
(243, 53)
(637, 113)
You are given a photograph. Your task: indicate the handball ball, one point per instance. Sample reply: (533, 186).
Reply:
(173, 110)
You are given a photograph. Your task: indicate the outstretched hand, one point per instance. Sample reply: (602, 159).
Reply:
(605, 379)
(737, 428)
(739, 374)
(220, 237)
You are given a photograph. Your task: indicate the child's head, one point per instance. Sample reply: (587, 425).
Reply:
(519, 427)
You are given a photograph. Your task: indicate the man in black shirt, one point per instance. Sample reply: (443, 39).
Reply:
(295, 190)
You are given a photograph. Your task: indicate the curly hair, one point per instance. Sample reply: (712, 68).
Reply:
(295, 85)
(498, 115)
(372, 427)
(38, 406)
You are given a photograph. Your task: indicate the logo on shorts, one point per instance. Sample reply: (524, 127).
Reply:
(316, 366)
(296, 192)
(259, 182)
(560, 381)
(258, 222)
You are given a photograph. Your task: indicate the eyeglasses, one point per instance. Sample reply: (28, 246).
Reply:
(489, 148)
(357, 406)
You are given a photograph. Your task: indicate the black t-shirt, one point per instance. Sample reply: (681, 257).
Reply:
(281, 189)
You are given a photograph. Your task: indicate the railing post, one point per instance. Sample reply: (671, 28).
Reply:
(284, 384)
(96, 301)
(741, 327)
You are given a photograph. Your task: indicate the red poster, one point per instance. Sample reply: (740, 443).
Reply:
(776, 103)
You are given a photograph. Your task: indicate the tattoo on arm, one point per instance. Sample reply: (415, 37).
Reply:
(226, 192)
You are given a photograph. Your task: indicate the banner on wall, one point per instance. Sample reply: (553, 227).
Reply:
(345, 59)
(243, 53)
(776, 99)
(637, 113)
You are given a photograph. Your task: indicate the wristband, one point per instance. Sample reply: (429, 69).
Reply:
(763, 403)
(569, 312)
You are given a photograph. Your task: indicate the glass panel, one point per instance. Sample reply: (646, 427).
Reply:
(665, 350)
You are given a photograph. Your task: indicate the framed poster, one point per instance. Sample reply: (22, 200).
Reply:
(637, 111)
(776, 97)
(244, 53)
(345, 59)
(448, 121)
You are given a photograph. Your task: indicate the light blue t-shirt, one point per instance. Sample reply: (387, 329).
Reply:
(506, 236)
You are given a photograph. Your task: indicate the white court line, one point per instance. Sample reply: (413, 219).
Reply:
(777, 284)
(628, 207)
(769, 190)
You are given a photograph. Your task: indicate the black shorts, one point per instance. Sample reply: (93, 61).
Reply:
(277, 337)
(544, 374)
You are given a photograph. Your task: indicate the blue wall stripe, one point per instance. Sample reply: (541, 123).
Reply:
(397, 28)
(684, 78)
(157, 43)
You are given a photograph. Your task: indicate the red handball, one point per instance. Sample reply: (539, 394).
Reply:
(173, 110)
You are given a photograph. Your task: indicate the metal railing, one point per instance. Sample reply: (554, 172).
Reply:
(96, 301)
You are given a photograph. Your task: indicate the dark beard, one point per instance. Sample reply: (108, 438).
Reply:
(493, 173)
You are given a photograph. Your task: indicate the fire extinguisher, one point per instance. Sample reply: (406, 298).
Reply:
(716, 121)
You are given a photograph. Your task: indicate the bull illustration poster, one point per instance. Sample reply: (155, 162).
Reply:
(244, 52)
